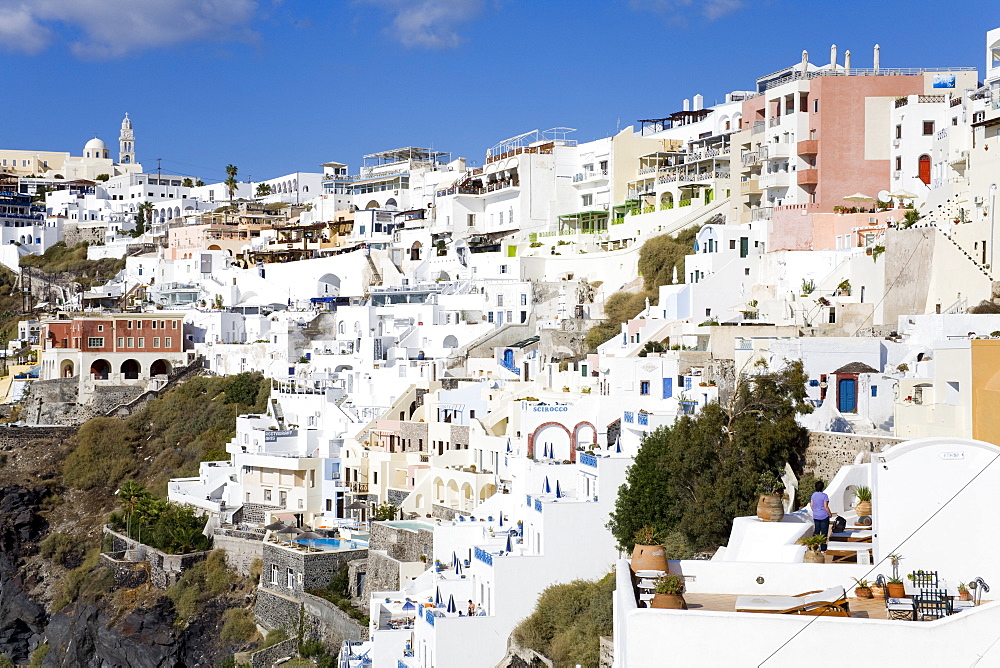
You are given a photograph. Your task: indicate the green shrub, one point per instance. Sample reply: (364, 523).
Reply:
(38, 656)
(63, 549)
(86, 583)
(274, 636)
(569, 620)
(238, 625)
(807, 485)
(204, 580)
(103, 456)
(5, 662)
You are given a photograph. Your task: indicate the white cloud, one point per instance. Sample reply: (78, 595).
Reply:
(111, 28)
(430, 24)
(710, 9)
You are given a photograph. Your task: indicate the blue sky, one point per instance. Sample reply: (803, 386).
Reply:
(280, 86)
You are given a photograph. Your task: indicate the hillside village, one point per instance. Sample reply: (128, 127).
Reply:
(454, 368)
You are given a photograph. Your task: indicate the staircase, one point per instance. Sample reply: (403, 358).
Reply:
(940, 219)
(376, 274)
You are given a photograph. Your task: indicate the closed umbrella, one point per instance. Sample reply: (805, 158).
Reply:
(548, 488)
(309, 536)
(509, 543)
(618, 446)
(451, 604)
(508, 446)
(558, 490)
(437, 597)
(501, 519)
(458, 567)
(454, 559)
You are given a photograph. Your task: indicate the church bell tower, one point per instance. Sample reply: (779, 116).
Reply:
(126, 143)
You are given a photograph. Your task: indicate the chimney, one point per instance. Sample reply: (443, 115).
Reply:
(805, 61)
(687, 105)
(833, 55)
(847, 59)
(878, 52)
(699, 102)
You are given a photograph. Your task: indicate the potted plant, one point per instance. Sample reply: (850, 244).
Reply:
(862, 589)
(813, 545)
(877, 591)
(864, 505)
(648, 554)
(844, 288)
(894, 588)
(963, 592)
(669, 593)
(769, 505)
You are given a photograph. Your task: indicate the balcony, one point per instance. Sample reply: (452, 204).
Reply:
(774, 122)
(808, 147)
(761, 213)
(359, 488)
(750, 187)
(808, 177)
(751, 158)
(774, 180)
(777, 152)
(757, 128)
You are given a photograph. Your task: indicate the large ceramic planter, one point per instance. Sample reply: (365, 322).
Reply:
(863, 508)
(668, 602)
(862, 592)
(878, 592)
(895, 590)
(814, 557)
(770, 508)
(649, 558)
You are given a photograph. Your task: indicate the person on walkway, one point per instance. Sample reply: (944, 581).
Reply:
(820, 506)
(472, 608)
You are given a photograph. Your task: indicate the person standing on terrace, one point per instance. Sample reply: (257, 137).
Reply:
(820, 506)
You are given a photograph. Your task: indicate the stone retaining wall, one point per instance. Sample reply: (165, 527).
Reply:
(828, 451)
(396, 496)
(164, 569)
(127, 574)
(320, 619)
(240, 552)
(399, 543)
(256, 513)
(382, 573)
(268, 656)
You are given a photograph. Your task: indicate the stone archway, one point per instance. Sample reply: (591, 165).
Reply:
(542, 427)
(130, 369)
(576, 435)
(100, 369)
(66, 369)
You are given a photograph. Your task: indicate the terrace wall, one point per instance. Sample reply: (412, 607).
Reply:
(828, 451)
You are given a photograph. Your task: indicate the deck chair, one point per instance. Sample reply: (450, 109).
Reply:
(925, 579)
(830, 602)
(895, 608)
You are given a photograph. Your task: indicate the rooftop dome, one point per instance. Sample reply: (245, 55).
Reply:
(95, 144)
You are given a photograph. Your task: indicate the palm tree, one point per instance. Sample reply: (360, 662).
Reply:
(144, 216)
(129, 495)
(231, 183)
(263, 189)
(187, 183)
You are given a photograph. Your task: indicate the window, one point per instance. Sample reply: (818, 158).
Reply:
(489, 317)
(267, 495)
(899, 132)
(499, 300)
(131, 342)
(510, 316)
(524, 299)
(275, 574)
(156, 342)
(129, 324)
(472, 220)
(899, 162)
(928, 127)
(100, 328)
(588, 200)
(815, 106)
(644, 388)
(121, 341)
(503, 269)
(732, 244)
(95, 342)
(290, 578)
(142, 342)
(166, 342)
(874, 390)
(138, 324)
(173, 324)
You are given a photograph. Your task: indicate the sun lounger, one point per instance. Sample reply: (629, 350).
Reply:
(832, 602)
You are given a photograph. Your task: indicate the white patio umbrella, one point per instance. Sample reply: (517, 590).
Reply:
(902, 194)
(859, 197)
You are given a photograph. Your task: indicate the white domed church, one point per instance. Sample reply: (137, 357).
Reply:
(96, 158)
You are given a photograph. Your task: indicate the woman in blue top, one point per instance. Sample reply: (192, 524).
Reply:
(820, 505)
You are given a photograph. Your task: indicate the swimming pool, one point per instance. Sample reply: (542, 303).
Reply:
(332, 544)
(412, 525)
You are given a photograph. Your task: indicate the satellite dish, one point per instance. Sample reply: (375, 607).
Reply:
(884, 196)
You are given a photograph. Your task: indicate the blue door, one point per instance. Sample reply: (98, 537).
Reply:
(847, 395)
(508, 358)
